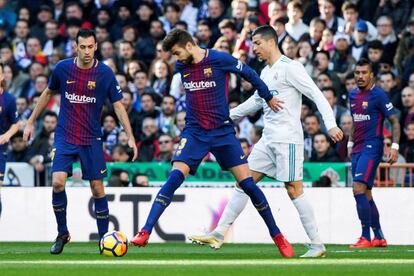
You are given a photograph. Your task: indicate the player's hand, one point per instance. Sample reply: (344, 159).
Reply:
(275, 104)
(336, 134)
(393, 156)
(28, 133)
(133, 145)
(4, 139)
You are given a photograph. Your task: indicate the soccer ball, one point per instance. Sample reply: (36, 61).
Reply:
(114, 244)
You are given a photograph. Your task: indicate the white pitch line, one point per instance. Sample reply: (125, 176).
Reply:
(253, 262)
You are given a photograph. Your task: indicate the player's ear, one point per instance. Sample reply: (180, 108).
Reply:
(96, 46)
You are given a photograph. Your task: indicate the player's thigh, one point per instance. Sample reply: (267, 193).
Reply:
(63, 156)
(191, 150)
(262, 160)
(289, 161)
(228, 151)
(366, 167)
(93, 161)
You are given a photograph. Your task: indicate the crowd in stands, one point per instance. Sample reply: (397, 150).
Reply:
(328, 37)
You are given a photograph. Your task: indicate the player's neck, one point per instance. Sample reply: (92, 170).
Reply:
(368, 87)
(82, 65)
(274, 56)
(199, 54)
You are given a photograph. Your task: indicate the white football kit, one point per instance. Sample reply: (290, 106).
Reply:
(279, 153)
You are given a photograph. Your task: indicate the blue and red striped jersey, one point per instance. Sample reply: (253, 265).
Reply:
(8, 115)
(206, 87)
(368, 110)
(83, 93)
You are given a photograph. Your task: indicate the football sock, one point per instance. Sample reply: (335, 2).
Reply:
(234, 207)
(260, 203)
(307, 218)
(163, 198)
(102, 215)
(364, 214)
(59, 202)
(375, 223)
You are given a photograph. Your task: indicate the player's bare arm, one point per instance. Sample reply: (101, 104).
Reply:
(123, 118)
(5, 138)
(40, 106)
(396, 133)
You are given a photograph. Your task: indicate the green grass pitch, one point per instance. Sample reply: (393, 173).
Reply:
(188, 259)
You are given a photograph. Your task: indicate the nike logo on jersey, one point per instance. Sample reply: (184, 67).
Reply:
(369, 146)
(186, 75)
(358, 174)
(242, 157)
(103, 171)
(69, 82)
(352, 105)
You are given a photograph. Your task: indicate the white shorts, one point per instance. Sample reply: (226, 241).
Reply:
(281, 161)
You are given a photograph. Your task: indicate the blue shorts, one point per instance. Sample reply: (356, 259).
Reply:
(365, 164)
(196, 143)
(91, 159)
(3, 155)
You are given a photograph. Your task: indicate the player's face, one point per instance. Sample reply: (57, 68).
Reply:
(261, 47)
(363, 76)
(86, 48)
(182, 54)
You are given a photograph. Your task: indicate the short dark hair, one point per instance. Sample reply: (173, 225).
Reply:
(323, 134)
(326, 53)
(364, 62)
(312, 115)
(244, 140)
(227, 23)
(388, 73)
(176, 37)
(349, 5)
(267, 32)
(149, 94)
(329, 88)
(85, 33)
(375, 44)
(169, 96)
(51, 114)
(349, 76)
(172, 5)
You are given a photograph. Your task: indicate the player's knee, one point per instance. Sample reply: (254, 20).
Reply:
(294, 191)
(359, 188)
(58, 185)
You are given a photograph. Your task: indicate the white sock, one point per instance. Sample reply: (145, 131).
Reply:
(233, 209)
(307, 217)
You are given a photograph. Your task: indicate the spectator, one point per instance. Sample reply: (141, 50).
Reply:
(311, 126)
(239, 10)
(388, 83)
(204, 34)
(360, 44)
(407, 116)
(148, 146)
(256, 134)
(397, 10)
(160, 76)
(126, 55)
(343, 63)
(167, 117)
(244, 143)
(144, 15)
(43, 15)
(338, 110)
(52, 38)
(216, 15)
(290, 47)
(404, 58)
(140, 87)
(107, 50)
(132, 113)
(146, 46)
(353, 22)
(327, 11)
(73, 10)
(407, 148)
(8, 17)
(147, 110)
(20, 152)
(387, 37)
(102, 33)
(295, 27)
(375, 53)
(29, 87)
(171, 16)
(166, 148)
(278, 24)
(41, 142)
(180, 122)
(321, 64)
(14, 79)
(229, 32)
(119, 153)
(276, 10)
(21, 32)
(350, 84)
(140, 180)
(123, 19)
(22, 108)
(323, 152)
(72, 28)
(394, 174)
(316, 28)
(324, 80)
(305, 55)
(327, 43)
(341, 147)
(110, 132)
(188, 14)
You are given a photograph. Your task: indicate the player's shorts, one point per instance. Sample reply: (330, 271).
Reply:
(195, 144)
(281, 161)
(91, 159)
(365, 164)
(3, 155)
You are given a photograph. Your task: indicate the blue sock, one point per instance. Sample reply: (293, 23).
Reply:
(102, 215)
(260, 203)
(364, 214)
(375, 223)
(60, 202)
(163, 198)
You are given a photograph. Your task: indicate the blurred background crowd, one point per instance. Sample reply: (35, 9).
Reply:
(328, 37)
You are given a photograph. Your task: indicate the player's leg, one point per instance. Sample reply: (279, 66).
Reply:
(63, 156)
(379, 239)
(2, 169)
(234, 207)
(364, 214)
(186, 159)
(93, 166)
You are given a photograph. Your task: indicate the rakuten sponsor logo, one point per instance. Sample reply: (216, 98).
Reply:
(200, 85)
(81, 99)
(361, 117)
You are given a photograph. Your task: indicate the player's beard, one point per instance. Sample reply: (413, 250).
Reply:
(189, 60)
